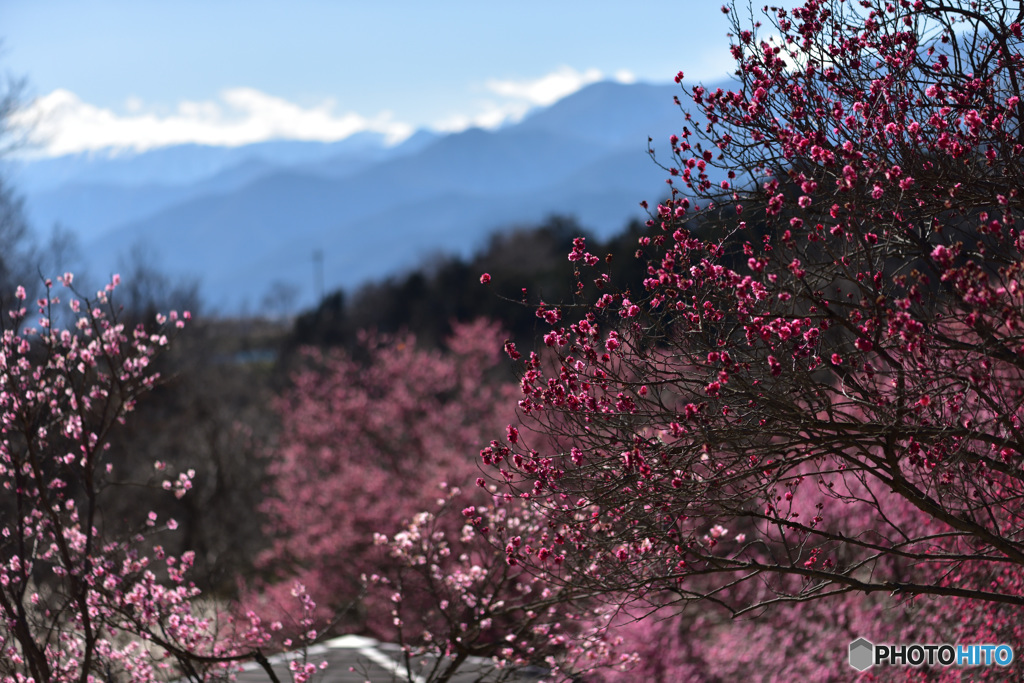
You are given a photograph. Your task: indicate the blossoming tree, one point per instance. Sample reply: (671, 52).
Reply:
(366, 444)
(817, 390)
(79, 599)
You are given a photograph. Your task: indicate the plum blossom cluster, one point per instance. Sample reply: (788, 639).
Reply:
(483, 606)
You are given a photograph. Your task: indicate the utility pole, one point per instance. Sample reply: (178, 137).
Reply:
(318, 274)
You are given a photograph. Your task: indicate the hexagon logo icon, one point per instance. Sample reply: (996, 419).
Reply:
(862, 654)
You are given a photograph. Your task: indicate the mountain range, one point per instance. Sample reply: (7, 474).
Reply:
(247, 220)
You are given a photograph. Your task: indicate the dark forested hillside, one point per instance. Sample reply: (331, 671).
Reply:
(526, 265)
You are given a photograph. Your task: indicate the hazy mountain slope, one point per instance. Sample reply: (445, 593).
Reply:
(101, 199)
(178, 164)
(289, 206)
(90, 209)
(402, 234)
(345, 164)
(372, 210)
(611, 114)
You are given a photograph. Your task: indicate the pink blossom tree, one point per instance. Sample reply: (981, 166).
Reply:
(456, 601)
(79, 599)
(367, 444)
(816, 393)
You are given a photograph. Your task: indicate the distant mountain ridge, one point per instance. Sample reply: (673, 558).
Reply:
(181, 164)
(91, 193)
(247, 219)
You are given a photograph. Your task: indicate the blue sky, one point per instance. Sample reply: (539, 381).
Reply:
(143, 73)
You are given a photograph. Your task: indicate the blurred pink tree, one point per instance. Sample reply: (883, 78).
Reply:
(368, 443)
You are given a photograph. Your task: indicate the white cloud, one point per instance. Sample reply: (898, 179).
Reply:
(547, 89)
(519, 96)
(489, 115)
(624, 76)
(64, 124)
